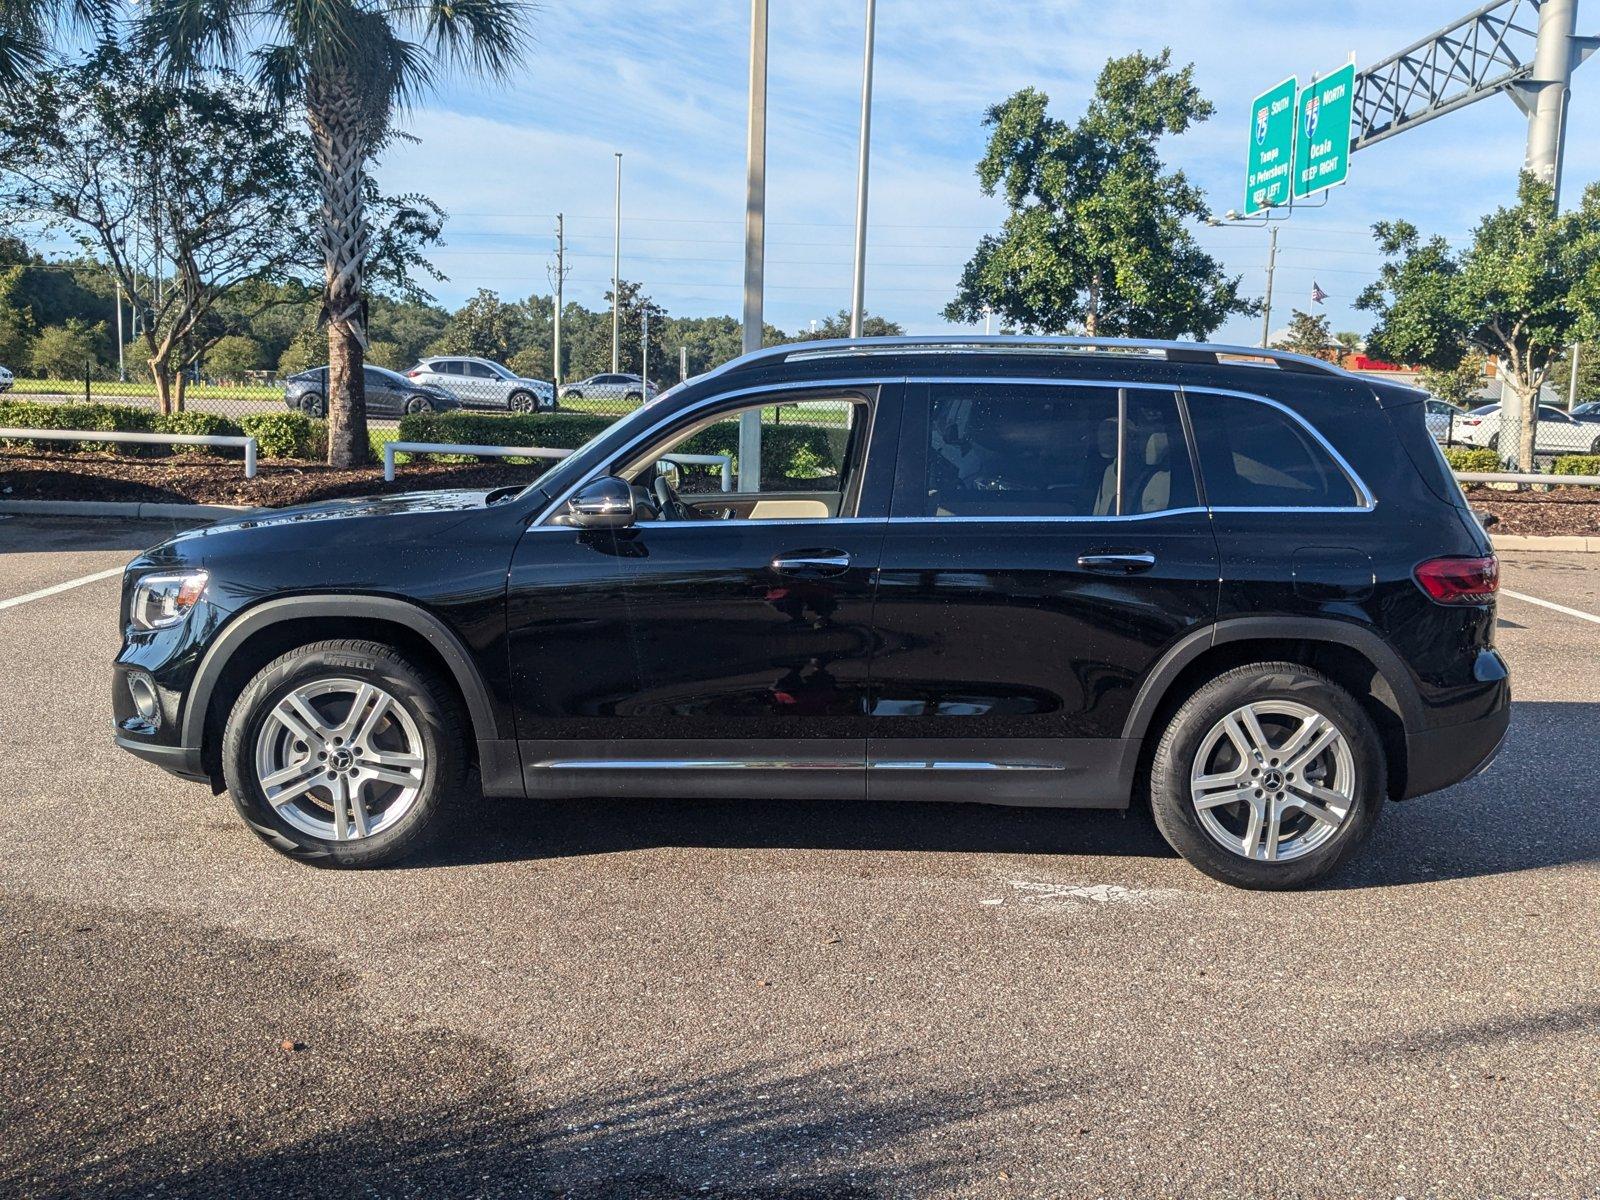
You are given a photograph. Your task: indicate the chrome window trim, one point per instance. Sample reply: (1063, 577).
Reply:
(698, 764)
(1364, 494)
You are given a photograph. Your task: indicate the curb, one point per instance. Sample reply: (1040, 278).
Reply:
(121, 508)
(1568, 544)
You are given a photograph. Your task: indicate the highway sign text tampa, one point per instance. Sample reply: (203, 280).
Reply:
(1272, 116)
(1322, 132)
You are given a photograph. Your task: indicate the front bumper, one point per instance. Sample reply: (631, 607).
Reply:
(182, 761)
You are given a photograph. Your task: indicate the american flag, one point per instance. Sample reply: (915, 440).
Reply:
(1317, 294)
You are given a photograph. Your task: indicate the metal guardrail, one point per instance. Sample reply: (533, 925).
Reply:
(1516, 477)
(708, 460)
(247, 444)
(390, 449)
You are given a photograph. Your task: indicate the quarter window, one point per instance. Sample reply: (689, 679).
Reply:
(1051, 451)
(1253, 455)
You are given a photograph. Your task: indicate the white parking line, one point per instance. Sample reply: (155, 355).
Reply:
(1552, 605)
(42, 593)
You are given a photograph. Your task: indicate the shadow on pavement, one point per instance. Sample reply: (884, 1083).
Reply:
(21, 533)
(146, 1061)
(1531, 809)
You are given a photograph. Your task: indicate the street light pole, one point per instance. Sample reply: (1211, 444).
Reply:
(755, 236)
(1572, 383)
(1551, 88)
(1272, 270)
(616, 273)
(859, 284)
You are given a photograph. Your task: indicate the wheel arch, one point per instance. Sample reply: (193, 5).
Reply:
(1355, 657)
(261, 633)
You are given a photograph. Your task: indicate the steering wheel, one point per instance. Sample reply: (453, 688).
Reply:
(668, 504)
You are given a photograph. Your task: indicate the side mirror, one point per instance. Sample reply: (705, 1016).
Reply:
(604, 503)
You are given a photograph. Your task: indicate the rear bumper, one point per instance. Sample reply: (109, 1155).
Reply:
(1437, 758)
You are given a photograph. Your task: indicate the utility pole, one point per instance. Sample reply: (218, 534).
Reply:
(616, 273)
(755, 236)
(1572, 383)
(859, 284)
(559, 279)
(122, 370)
(644, 358)
(1272, 269)
(683, 363)
(1548, 90)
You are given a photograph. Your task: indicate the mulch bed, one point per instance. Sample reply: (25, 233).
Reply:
(200, 480)
(1557, 511)
(193, 479)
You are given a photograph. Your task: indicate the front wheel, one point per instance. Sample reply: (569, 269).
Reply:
(314, 406)
(522, 402)
(1270, 776)
(344, 753)
(419, 404)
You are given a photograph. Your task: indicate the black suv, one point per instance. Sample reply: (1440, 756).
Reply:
(1025, 571)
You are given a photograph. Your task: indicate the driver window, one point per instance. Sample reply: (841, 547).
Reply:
(809, 458)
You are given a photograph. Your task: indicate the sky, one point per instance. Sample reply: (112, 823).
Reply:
(665, 82)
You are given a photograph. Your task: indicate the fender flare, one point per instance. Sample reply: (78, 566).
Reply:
(1366, 642)
(252, 621)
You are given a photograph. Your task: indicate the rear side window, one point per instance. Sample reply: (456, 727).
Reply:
(1253, 455)
(1054, 451)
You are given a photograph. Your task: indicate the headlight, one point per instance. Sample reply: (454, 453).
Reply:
(162, 600)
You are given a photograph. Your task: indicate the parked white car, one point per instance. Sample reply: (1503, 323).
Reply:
(481, 383)
(6, 379)
(1557, 432)
(610, 387)
(1442, 418)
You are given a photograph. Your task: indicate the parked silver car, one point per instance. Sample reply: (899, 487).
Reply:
(1441, 417)
(6, 379)
(610, 387)
(481, 383)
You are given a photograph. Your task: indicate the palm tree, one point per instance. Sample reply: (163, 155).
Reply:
(350, 64)
(28, 28)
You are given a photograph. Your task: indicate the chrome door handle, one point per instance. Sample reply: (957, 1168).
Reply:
(1117, 564)
(812, 562)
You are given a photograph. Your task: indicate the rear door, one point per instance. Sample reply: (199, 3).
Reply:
(1046, 547)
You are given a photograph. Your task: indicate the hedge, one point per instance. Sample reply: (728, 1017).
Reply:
(1577, 464)
(286, 435)
(1462, 458)
(278, 435)
(796, 451)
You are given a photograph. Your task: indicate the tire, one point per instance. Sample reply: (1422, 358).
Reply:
(573, 394)
(1353, 765)
(314, 405)
(1494, 442)
(419, 404)
(522, 402)
(422, 722)
(633, 396)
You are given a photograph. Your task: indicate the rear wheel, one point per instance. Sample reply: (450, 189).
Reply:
(1269, 776)
(314, 405)
(419, 404)
(344, 753)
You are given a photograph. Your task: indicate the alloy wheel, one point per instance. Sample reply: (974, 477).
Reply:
(1273, 781)
(340, 759)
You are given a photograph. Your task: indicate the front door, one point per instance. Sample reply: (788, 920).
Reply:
(1047, 547)
(720, 645)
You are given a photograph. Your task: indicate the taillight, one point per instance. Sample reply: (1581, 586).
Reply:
(1472, 421)
(1459, 580)
(414, 372)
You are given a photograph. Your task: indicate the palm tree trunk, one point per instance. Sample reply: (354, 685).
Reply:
(337, 119)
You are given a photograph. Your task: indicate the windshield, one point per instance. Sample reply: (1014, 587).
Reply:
(575, 466)
(385, 373)
(503, 372)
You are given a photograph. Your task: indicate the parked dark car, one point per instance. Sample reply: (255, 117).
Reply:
(1026, 571)
(389, 394)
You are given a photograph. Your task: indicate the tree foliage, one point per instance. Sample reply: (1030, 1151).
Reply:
(1527, 283)
(1098, 235)
(1458, 384)
(1308, 333)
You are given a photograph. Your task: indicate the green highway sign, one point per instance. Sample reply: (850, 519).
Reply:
(1271, 148)
(1322, 132)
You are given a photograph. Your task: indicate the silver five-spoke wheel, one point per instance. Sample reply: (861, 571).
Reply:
(340, 759)
(1273, 780)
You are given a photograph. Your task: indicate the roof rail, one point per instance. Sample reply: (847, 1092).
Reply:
(1191, 352)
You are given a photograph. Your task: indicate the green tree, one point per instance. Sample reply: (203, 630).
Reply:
(1527, 284)
(1457, 384)
(1588, 372)
(114, 158)
(387, 354)
(348, 64)
(1349, 341)
(838, 326)
(1098, 236)
(69, 351)
(1308, 333)
(17, 327)
(233, 355)
(28, 29)
(485, 326)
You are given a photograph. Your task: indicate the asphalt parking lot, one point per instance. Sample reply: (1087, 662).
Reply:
(784, 1000)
